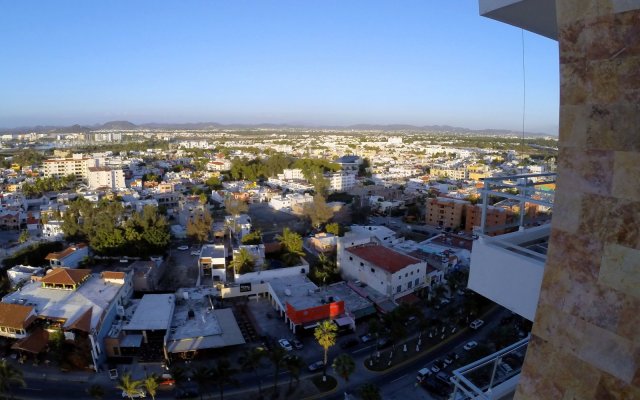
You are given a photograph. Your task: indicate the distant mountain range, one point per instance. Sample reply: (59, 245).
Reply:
(126, 125)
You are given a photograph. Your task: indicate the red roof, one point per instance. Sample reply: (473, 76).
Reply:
(66, 276)
(383, 257)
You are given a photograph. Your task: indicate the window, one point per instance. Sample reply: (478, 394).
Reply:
(399, 289)
(417, 281)
(406, 275)
(373, 270)
(350, 258)
(409, 285)
(362, 264)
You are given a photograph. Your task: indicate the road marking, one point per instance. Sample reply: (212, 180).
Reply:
(362, 349)
(397, 379)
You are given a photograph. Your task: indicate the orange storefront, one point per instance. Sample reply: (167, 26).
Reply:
(313, 314)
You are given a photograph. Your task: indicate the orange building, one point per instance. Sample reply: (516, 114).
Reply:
(496, 217)
(445, 212)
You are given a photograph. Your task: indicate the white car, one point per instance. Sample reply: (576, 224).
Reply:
(140, 394)
(470, 345)
(195, 253)
(182, 248)
(476, 324)
(285, 344)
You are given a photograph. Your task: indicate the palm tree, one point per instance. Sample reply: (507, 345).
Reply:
(202, 377)
(294, 365)
(276, 356)
(369, 391)
(151, 384)
(9, 375)
(129, 386)
(222, 373)
(291, 244)
(243, 262)
(250, 361)
(96, 391)
(344, 366)
(325, 334)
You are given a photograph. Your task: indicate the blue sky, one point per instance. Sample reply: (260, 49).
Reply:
(314, 62)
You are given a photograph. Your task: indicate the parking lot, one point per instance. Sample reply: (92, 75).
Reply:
(272, 222)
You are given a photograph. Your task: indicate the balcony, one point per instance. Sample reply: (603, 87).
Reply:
(508, 268)
(492, 377)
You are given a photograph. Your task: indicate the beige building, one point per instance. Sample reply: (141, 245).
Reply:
(105, 177)
(451, 173)
(77, 165)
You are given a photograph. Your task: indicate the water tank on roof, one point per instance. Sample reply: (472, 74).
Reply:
(185, 295)
(287, 292)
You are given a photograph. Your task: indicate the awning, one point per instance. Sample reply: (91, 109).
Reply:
(131, 341)
(311, 326)
(343, 321)
(408, 299)
(34, 343)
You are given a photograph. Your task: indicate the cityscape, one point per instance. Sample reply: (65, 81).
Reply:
(335, 260)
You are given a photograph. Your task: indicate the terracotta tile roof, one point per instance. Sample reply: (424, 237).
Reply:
(383, 257)
(83, 323)
(34, 343)
(66, 276)
(112, 275)
(15, 316)
(64, 253)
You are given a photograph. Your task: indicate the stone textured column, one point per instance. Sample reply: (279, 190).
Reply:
(586, 335)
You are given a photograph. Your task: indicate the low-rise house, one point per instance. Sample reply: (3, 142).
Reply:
(22, 273)
(70, 257)
(213, 261)
(76, 302)
(52, 230)
(15, 319)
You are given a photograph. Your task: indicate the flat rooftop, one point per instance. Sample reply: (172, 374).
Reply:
(212, 251)
(95, 293)
(205, 328)
(154, 312)
(301, 294)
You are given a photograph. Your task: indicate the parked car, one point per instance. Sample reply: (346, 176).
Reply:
(384, 341)
(113, 374)
(366, 338)
(444, 377)
(423, 374)
(448, 361)
(183, 248)
(470, 345)
(195, 253)
(316, 366)
(349, 343)
(297, 344)
(476, 324)
(410, 320)
(284, 343)
(435, 368)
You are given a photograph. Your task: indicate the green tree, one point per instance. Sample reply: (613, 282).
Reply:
(250, 361)
(9, 376)
(129, 387)
(24, 236)
(277, 358)
(369, 391)
(344, 366)
(235, 207)
(254, 237)
(213, 183)
(151, 384)
(96, 391)
(318, 211)
(222, 374)
(291, 243)
(325, 334)
(199, 226)
(202, 377)
(294, 365)
(333, 228)
(243, 262)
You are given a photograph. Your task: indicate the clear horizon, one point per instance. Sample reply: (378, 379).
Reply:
(276, 62)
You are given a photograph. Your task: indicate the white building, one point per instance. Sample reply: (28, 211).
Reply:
(52, 230)
(288, 173)
(105, 177)
(388, 272)
(341, 182)
(69, 257)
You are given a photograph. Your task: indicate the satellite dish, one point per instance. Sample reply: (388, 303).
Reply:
(287, 292)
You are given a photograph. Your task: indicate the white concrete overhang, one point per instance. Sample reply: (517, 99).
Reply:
(537, 16)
